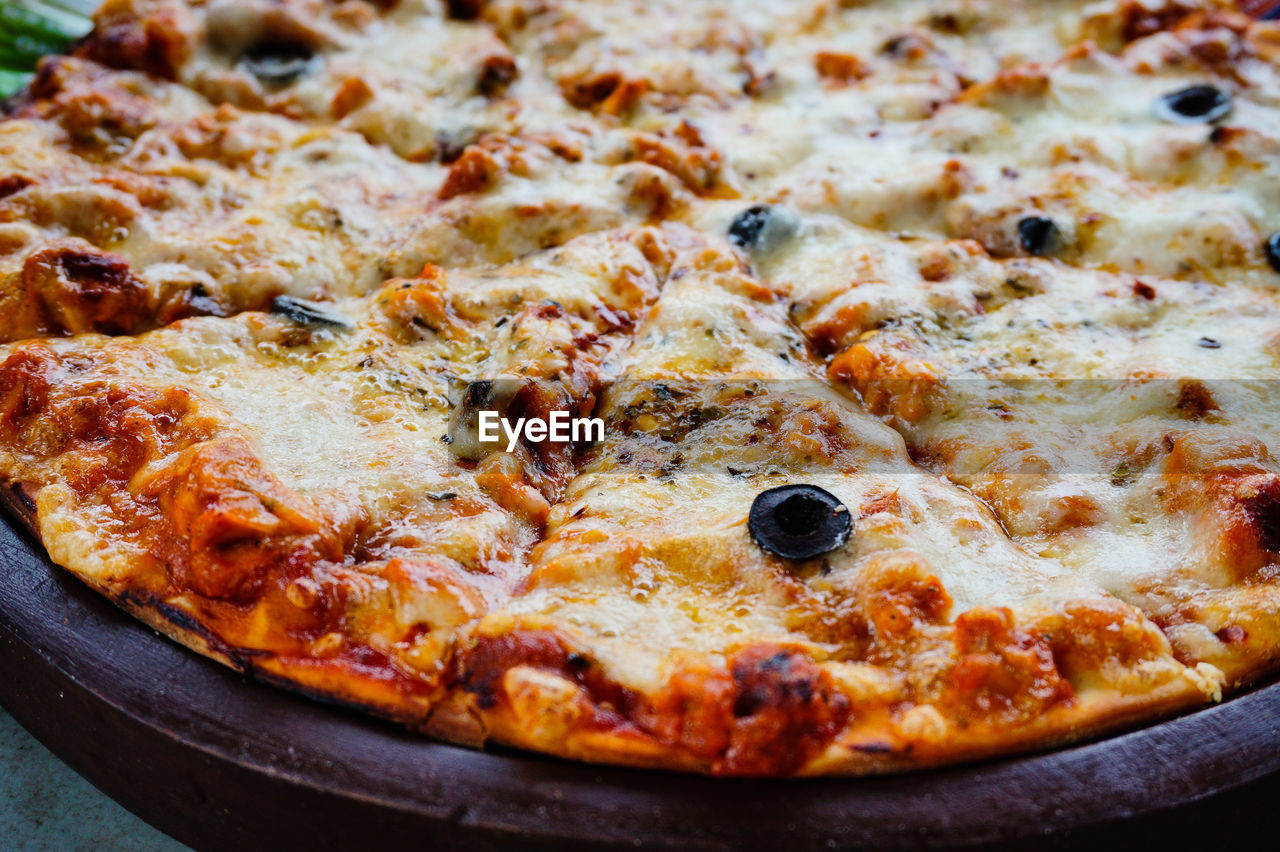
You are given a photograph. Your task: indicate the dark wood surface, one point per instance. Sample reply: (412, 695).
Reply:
(222, 762)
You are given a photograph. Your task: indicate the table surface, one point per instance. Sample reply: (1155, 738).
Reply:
(44, 805)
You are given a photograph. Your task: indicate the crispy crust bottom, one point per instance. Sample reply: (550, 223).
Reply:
(1103, 714)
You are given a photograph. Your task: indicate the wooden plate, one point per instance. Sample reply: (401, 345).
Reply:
(217, 761)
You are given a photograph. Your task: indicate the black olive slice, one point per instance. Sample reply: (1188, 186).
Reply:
(277, 64)
(465, 10)
(1194, 104)
(749, 225)
(762, 227)
(307, 313)
(799, 521)
(1037, 234)
(1272, 250)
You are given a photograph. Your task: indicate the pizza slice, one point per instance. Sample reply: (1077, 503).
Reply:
(666, 621)
(1122, 426)
(404, 75)
(1170, 173)
(291, 492)
(127, 203)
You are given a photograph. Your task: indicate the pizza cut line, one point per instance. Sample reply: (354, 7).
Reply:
(935, 347)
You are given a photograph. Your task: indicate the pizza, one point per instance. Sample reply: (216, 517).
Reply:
(753, 388)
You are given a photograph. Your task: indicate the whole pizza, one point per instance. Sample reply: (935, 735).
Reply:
(753, 388)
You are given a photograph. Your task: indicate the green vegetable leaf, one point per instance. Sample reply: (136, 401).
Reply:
(11, 82)
(31, 29)
(21, 19)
